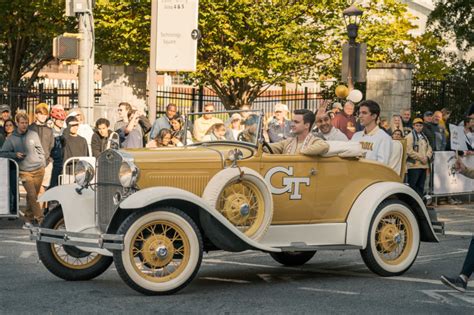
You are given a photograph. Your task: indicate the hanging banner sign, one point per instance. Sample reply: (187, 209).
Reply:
(177, 35)
(458, 138)
(445, 178)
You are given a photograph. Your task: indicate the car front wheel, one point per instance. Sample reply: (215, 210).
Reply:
(65, 261)
(162, 251)
(393, 239)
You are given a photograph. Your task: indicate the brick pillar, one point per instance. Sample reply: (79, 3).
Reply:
(389, 84)
(120, 84)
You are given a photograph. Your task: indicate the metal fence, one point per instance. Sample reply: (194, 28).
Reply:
(26, 99)
(453, 94)
(193, 99)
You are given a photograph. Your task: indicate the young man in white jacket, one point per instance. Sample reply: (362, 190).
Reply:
(375, 142)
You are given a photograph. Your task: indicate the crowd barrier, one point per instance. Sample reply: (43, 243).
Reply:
(445, 181)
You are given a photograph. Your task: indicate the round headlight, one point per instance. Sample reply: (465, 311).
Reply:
(83, 173)
(128, 174)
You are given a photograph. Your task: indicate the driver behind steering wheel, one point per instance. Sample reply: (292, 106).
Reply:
(303, 141)
(249, 134)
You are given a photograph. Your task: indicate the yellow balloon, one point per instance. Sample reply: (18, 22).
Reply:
(342, 91)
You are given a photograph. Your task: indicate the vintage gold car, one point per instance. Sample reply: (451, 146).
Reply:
(155, 211)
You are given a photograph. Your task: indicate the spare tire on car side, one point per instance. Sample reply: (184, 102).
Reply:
(243, 197)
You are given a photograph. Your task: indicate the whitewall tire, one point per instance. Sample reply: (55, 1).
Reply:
(162, 251)
(393, 239)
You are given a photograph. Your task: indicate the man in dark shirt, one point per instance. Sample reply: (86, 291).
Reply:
(101, 136)
(74, 145)
(435, 134)
(46, 136)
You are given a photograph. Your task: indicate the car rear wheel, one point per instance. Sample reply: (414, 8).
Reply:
(162, 251)
(65, 261)
(242, 196)
(393, 239)
(293, 258)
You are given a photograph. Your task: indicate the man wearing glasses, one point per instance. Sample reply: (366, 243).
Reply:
(204, 123)
(325, 129)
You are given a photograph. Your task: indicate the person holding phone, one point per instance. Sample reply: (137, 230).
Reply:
(24, 146)
(460, 282)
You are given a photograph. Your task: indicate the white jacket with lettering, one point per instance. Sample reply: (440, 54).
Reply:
(376, 144)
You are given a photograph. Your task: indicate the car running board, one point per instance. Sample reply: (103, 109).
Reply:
(303, 247)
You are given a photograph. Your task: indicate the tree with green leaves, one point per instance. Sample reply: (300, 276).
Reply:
(455, 16)
(27, 29)
(123, 31)
(249, 45)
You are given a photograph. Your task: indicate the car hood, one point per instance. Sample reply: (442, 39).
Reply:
(189, 168)
(148, 158)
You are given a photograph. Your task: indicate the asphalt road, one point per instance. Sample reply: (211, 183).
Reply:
(249, 282)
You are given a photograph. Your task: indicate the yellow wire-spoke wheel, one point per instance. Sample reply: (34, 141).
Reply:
(393, 237)
(159, 251)
(70, 256)
(242, 203)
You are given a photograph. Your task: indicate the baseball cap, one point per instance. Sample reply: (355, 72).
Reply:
(280, 107)
(417, 121)
(235, 116)
(41, 105)
(4, 108)
(337, 105)
(428, 113)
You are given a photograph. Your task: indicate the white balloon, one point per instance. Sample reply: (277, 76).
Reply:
(355, 96)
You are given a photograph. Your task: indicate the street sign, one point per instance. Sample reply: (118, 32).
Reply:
(177, 35)
(359, 71)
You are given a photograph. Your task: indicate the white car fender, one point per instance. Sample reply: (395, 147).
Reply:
(363, 209)
(78, 211)
(147, 196)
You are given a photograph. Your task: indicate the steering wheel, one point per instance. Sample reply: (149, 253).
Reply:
(265, 144)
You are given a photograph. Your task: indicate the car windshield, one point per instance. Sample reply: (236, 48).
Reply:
(235, 126)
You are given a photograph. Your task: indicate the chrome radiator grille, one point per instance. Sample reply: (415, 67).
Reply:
(108, 184)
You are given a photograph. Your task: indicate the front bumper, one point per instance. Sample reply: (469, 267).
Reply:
(106, 241)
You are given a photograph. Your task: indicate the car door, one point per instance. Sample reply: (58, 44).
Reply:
(292, 182)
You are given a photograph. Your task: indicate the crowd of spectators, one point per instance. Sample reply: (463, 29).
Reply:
(55, 136)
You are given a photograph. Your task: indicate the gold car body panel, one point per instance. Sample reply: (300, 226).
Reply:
(334, 185)
(327, 189)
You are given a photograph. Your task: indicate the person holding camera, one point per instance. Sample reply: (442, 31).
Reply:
(419, 154)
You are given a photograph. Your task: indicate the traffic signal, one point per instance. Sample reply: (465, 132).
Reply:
(66, 47)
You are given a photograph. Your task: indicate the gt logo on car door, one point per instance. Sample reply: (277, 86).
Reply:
(290, 184)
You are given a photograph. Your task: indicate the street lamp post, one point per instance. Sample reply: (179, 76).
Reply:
(352, 17)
